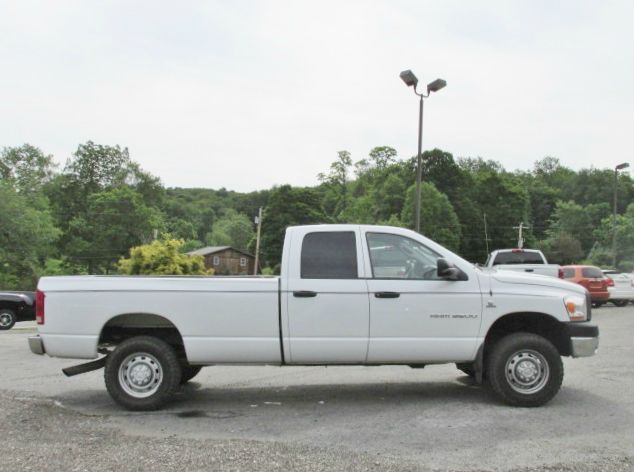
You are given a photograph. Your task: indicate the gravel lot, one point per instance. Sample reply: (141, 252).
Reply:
(337, 418)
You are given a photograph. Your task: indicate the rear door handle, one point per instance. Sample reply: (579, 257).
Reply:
(304, 294)
(387, 294)
(529, 270)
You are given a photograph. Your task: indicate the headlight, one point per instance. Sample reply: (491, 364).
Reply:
(576, 308)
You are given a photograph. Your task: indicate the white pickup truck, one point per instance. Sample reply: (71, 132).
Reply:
(530, 261)
(348, 295)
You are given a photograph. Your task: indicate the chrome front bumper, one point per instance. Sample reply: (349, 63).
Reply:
(584, 347)
(36, 345)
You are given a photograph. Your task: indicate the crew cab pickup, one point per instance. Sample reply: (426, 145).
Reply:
(347, 295)
(530, 261)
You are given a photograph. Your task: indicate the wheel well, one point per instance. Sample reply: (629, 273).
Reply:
(13, 306)
(529, 322)
(122, 327)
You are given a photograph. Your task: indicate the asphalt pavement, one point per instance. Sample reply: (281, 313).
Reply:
(321, 418)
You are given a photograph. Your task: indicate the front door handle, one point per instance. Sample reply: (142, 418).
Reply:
(529, 270)
(387, 294)
(304, 294)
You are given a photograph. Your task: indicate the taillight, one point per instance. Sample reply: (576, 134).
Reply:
(39, 307)
(560, 274)
(610, 282)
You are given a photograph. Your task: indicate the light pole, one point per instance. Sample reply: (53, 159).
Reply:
(625, 165)
(411, 81)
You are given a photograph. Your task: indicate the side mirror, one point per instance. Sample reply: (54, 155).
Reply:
(446, 270)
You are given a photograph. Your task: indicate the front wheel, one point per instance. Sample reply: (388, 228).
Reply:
(142, 373)
(524, 369)
(620, 303)
(7, 319)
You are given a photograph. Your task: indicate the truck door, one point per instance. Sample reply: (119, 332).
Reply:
(327, 298)
(415, 316)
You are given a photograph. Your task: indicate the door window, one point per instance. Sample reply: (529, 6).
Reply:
(398, 257)
(329, 255)
(569, 273)
(591, 273)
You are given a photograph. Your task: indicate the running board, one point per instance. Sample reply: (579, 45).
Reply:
(83, 368)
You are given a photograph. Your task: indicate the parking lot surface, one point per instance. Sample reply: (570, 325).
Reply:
(318, 418)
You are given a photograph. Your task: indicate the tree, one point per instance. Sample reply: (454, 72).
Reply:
(382, 157)
(506, 203)
(336, 181)
(162, 258)
(562, 249)
(115, 221)
(233, 229)
(287, 206)
(624, 239)
(27, 235)
(25, 168)
(438, 218)
(577, 221)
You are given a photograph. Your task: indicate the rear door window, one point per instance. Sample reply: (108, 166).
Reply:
(329, 255)
(591, 273)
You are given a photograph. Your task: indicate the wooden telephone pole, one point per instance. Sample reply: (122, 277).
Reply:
(520, 237)
(258, 221)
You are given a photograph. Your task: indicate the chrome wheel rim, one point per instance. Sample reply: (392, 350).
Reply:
(140, 375)
(527, 371)
(5, 319)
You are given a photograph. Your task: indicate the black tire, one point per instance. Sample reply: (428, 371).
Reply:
(467, 368)
(540, 359)
(151, 357)
(7, 319)
(597, 304)
(620, 303)
(188, 372)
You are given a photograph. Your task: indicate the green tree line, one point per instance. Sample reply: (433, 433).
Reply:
(85, 216)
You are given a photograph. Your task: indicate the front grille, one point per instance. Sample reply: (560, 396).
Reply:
(589, 305)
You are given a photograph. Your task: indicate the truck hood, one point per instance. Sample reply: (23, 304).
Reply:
(510, 277)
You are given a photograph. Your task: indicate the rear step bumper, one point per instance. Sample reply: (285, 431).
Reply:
(36, 345)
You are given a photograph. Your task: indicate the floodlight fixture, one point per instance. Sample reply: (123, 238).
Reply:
(436, 85)
(409, 78)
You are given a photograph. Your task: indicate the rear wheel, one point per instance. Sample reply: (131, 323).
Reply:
(524, 369)
(619, 302)
(7, 319)
(142, 373)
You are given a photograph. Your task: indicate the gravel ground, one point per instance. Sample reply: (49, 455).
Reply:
(299, 418)
(41, 435)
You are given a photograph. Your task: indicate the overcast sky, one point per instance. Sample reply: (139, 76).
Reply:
(246, 94)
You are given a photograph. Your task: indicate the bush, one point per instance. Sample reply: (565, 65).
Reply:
(162, 258)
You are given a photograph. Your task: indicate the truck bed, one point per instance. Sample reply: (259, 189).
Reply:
(216, 326)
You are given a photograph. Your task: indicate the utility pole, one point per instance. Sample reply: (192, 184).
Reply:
(486, 235)
(625, 165)
(258, 221)
(520, 238)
